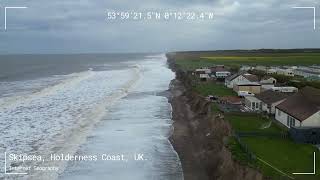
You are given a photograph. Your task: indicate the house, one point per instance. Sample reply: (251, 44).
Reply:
(246, 68)
(251, 77)
(204, 77)
(261, 68)
(306, 72)
(251, 87)
(267, 82)
(285, 72)
(234, 100)
(240, 77)
(253, 103)
(203, 71)
(301, 109)
(288, 89)
(272, 71)
(270, 99)
(220, 72)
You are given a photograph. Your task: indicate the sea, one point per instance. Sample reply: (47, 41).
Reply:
(102, 116)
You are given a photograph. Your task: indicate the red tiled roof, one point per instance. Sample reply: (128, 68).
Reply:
(231, 99)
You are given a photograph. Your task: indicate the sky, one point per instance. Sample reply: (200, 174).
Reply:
(81, 26)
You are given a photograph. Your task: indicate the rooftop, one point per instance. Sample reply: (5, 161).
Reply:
(232, 77)
(270, 96)
(251, 77)
(303, 104)
(248, 84)
(252, 98)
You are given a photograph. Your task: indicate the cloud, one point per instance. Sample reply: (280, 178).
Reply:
(78, 26)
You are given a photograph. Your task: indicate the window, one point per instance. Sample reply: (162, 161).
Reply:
(279, 112)
(253, 104)
(291, 122)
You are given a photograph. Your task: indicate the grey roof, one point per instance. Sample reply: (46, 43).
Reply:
(303, 104)
(233, 76)
(270, 96)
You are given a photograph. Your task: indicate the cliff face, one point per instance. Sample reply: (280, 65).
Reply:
(199, 136)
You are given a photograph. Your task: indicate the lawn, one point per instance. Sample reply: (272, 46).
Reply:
(252, 123)
(188, 64)
(241, 156)
(284, 155)
(211, 88)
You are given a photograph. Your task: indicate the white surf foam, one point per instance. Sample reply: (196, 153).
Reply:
(58, 118)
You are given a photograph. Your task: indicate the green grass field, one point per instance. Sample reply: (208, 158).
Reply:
(285, 156)
(271, 59)
(238, 154)
(211, 88)
(267, 59)
(250, 123)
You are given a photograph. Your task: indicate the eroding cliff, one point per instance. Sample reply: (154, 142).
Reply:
(200, 136)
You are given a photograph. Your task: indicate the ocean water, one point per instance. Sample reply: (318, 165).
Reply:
(87, 105)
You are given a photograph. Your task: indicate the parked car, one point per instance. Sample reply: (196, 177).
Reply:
(212, 98)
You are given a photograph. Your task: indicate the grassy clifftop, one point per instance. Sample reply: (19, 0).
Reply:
(192, 60)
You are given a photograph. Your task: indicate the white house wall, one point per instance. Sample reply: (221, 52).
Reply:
(313, 120)
(273, 106)
(265, 107)
(241, 78)
(282, 118)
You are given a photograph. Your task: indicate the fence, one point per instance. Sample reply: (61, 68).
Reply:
(283, 135)
(245, 148)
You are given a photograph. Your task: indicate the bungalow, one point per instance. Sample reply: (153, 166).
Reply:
(230, 81)
(285, 72)
(204, 77)
(246, 68)
(300, 110)
(220, 72)
(306, 73)
(267, 82)
(270, 99)
(261, 68)
(272, 71)
(251, 87)
(203, 71)
(288, 89)
(253, 103)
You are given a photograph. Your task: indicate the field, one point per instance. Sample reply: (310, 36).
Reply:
(211, 88)
(267, 59)
(271, 59)
(284, 156)
(275, 157)
(252, 123)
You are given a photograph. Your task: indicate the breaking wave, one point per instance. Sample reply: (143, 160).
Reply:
(57, 119)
